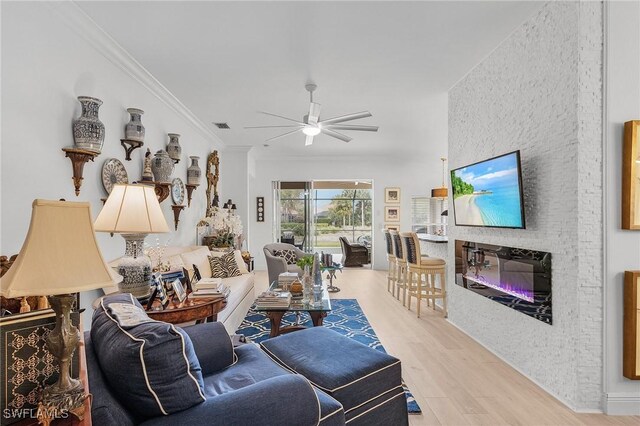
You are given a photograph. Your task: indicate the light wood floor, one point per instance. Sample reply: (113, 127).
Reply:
(454, 379)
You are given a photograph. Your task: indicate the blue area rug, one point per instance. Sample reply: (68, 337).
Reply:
(346, 318)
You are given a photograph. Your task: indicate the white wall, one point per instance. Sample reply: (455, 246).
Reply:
(540, 92)
(234, 182)
(622, 396)
(415, 176)
(45, 66)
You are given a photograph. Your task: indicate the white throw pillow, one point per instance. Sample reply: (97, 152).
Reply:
(242, 267)
(200, 258)
(175, 262)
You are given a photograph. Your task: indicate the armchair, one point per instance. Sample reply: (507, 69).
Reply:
(277, 265)
(353, 254)
(242, 387)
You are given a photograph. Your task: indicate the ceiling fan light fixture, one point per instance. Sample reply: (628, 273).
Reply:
(311, 130)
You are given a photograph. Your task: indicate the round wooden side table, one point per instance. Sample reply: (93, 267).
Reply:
(196, 309)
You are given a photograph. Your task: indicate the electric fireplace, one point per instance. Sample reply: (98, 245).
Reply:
(514, 277)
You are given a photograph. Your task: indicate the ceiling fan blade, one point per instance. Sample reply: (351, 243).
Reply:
(314, 113)
(283, 135)
(351, 127)
(279, 116)
(336, 135)
(308, 141)
(348, 117)
(269, 127)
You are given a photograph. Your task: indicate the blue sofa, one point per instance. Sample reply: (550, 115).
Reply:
(146, 372)
(240, 386)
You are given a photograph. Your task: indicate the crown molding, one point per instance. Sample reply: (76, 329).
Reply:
(82, 24)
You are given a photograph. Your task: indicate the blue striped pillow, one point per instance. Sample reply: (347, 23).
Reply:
(150, 365)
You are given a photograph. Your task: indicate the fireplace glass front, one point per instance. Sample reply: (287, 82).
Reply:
(515, 277)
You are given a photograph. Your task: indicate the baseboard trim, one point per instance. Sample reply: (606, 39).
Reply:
(621, 404)
(537, 383)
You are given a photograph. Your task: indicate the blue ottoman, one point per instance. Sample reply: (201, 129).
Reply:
(367, 382)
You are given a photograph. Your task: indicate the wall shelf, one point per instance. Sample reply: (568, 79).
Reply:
(78, 158)
(190, 189)
(129, 146)
(162, 190)
(176, 214)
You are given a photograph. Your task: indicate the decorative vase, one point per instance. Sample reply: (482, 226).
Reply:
(134, 130)
(307, 286)
(162, 167)
(316, 271)
(194, 172)
(296, 288)
(88, 130)
(173, 147)
(135, 268)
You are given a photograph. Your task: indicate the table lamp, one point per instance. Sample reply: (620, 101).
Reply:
(134, 212)
(59, 257)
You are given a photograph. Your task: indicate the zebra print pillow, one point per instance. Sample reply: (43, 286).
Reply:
(224, 266)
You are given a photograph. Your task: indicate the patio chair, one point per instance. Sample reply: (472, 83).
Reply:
(353, 254)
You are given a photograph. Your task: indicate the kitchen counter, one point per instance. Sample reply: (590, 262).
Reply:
(432, 238)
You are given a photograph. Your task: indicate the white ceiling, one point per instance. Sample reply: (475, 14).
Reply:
(227, 60)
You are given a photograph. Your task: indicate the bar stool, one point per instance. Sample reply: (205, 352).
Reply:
(391, 260)
(423, 266)
(400, 267)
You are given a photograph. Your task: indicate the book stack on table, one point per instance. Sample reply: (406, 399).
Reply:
(209, 287)
(273, 300)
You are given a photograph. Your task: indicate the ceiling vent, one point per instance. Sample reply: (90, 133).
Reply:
(222, 125)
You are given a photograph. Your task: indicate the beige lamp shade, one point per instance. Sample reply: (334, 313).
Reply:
(60, 254)
(132, 209)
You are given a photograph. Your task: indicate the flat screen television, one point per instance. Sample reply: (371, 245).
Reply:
(489, 193)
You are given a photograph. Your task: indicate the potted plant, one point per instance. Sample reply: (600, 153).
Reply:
(305, 261)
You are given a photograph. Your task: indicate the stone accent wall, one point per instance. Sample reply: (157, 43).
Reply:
(540, 92)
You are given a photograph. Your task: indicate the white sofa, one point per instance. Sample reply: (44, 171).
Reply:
(242, 293)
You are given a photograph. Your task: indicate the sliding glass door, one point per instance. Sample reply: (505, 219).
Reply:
(293, 221)
(314, 215)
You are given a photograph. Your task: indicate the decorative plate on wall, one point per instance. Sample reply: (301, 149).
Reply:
(177, 191)
(113, 172)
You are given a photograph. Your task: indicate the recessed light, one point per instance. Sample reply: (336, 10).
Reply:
(266, 145)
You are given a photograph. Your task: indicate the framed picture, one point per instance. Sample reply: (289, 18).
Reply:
(168, 287)
(392, 227)
(392, 195)
(260, 209)
(154, 293)
(186, 280)
(181, 294)
(161, 291)
(631, 176)
(392, 213)
(631, 327)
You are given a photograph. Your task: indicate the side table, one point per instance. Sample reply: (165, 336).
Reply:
(196, 309)
(331, 274)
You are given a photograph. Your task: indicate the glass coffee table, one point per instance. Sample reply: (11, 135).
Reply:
(316, 312)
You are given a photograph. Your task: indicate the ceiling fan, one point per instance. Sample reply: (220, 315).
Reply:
(311, 125)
